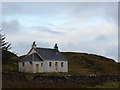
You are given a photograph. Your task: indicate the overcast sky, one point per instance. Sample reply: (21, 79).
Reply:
(76, 27)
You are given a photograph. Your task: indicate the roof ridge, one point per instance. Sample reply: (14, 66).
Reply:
(45, 48)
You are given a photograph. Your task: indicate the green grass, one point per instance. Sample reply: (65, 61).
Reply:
(10, 67)
(79, 63)
(84, 64)
(25, 84)
(112, 84)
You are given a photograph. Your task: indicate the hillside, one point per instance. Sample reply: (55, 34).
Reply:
(9, 61)
(79, 63)
(86, 64)
(8, 56)
(81, 67)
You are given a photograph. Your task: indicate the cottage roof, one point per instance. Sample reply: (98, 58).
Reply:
(50, 54)
(32, 57)
(44, 54)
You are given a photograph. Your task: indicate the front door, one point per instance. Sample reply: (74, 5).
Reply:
(56, 66)
(37, 65)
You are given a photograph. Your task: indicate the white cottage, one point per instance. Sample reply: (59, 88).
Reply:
(40, 60)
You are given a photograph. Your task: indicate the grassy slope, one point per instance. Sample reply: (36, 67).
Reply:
(83, 63)
(112, 84)
(80, 63)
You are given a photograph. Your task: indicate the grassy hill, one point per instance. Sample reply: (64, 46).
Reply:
(9, 61)
(85, 64)
(79, 63)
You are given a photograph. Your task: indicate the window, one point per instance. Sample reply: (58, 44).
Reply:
(41, 64)
(61, 64)
(23, 64)
(50, 64)
(56, 63)
(30, 62)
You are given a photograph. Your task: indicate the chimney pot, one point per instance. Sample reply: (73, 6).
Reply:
(34, 45)
(56, 47)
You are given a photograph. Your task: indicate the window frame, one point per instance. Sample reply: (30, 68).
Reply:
(41, 64)
(23, 64)
(62, 64)
(50, 64)
(31, 62)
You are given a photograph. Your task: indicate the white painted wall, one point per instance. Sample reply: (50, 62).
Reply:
(28, 67)
(40, 69)
(53, 67)
(21, 67)
(31, 68)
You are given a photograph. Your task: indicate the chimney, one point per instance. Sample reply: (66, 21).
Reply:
(34, 45)
(56, 47)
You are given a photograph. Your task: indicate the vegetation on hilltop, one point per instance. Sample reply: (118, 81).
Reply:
(85, 64)
(9, 59)
(79, 63)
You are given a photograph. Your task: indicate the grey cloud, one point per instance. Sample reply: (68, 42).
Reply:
(14, 26)
(29, 8)
(46, 29)
(52, 9)
(50, 25)
(11, 27)
(85, 10)
(50, 31)
(101, 37)
(67, 10)
(11, 8)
